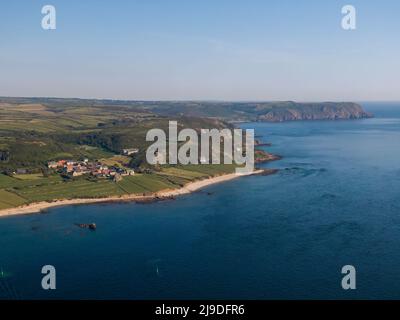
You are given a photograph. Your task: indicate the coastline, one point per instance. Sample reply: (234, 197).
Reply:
(38, 207)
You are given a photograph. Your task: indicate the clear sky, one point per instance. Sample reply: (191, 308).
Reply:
(201, 49)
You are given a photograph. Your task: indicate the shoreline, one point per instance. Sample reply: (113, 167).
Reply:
(39, 207)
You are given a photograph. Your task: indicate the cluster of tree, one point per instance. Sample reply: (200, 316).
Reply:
(110, 142)
(4, 155)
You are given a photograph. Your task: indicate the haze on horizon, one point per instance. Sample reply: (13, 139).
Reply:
(201, 50)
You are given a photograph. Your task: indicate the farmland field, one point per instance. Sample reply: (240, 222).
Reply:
(210, 169)
(70, 190)
(145, 183)
(32, 176)
(29, 188)
(117, 160)
(9, 200)
(183, 173)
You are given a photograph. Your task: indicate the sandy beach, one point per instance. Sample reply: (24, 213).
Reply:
(189, 188)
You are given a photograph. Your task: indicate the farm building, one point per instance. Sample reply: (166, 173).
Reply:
(129, 152)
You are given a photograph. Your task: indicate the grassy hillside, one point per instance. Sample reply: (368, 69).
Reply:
(36, 131)
(33, 133)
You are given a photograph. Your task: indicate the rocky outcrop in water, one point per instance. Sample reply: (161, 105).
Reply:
(90, 226)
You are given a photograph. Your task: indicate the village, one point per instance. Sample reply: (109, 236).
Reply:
(85, 167)
(96, 169)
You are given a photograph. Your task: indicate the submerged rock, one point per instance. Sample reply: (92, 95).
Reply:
(91, 226)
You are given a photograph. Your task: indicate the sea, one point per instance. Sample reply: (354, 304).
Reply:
(334, 202)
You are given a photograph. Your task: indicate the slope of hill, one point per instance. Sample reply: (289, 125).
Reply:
(32, 133)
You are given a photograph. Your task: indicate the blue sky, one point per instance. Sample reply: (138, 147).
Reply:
(203, 49)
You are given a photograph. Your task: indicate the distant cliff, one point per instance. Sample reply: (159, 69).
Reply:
(314, 111)
(223, 110)
(259, 111)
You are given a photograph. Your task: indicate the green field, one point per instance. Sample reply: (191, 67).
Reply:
(208, 170)
(70, 190)
(145, 183)
(31, 176)
(6, 181)
(183, 173)
(9, 200)
(16, 183)
(23, 189)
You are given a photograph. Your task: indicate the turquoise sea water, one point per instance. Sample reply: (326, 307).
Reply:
(335, 201)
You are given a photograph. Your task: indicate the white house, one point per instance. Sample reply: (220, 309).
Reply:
(128, 152)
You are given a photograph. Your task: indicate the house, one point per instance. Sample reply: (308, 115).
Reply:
(61, 163)
(78, 173)
(79, 168)
(52, 165)
(95, 173)
(129, 152)
(127, 172)
(117, 178)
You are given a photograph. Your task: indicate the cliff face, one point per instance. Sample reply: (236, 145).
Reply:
(314, 111)
(277, 111)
